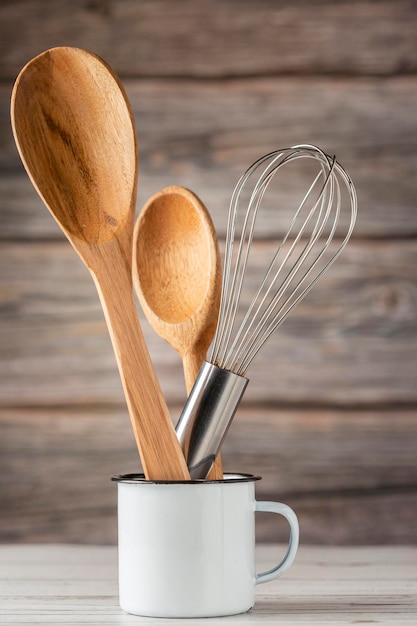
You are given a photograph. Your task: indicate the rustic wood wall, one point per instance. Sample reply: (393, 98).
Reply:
(330, 416)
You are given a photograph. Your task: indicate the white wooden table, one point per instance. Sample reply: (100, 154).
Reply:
(57, 584)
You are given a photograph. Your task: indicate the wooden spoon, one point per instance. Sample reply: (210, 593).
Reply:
(177, 275)
(76, 136)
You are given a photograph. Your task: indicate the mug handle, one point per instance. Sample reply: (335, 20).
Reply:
(290, 516)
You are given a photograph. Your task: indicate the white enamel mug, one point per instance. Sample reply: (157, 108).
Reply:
(187, 549)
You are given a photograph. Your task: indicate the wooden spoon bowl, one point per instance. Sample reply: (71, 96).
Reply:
(177, 275)
(75, 132)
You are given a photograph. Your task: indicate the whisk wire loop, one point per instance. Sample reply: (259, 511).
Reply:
(284, 284)
(264, 328)
(307, 247)
(251, 316)
(260, 333)
(233, 278)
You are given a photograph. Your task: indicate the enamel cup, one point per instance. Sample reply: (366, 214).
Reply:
(187, 549)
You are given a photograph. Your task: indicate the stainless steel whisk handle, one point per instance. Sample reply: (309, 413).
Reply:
(207, 415)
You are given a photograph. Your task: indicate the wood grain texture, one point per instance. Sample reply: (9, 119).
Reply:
(58, 584)
(75, 132)
(177, 273)
(177, 277)
(350, 475)
(218, 38)
(351, 342)
(212, 89)
(204, 135)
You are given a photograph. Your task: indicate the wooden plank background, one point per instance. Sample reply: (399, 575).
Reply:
(330, 416)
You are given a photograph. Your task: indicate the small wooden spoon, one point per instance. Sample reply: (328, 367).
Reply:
(76, 136)
(177, 275)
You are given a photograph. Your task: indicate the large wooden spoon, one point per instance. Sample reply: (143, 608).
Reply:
(76, 136)
(177, 275)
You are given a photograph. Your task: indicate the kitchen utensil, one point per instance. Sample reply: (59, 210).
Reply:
(177, 275)
(75, 133)
(311, 243)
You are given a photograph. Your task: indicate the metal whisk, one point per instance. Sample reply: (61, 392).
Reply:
(310, 244)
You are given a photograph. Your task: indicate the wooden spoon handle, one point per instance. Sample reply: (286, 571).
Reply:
(159, 449)
(192, 363)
